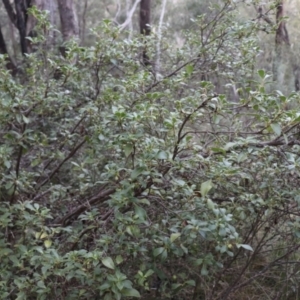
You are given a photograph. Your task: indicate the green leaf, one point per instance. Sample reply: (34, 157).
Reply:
(144, 201)
(21, 296)
(7, 164)
(176, 286)
(179, 182)
(158, 251)
(140, 212)
(261, 74)
(174, 236)
(114, 109)
(164, 254)
(119, 259)
(210, 204)
(136, 172)
(189, 69)
(48, 243)
(108, 262)
(45, 269)
(105, 286)
(120, 285)
(185, 250)
(276, 128)
(206, 187)
(247, 247)
(149, 273)
(162, 155)
(204, 270)
(129, 230)
(35, 162)
(191, 282)
(101, 137)
(230, 145)
(29, 206)
(41, 284)
(25, 119)
(82, 292)
(130, 293)
(128, 149)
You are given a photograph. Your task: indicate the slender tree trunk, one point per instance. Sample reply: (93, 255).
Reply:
(52, 7)
(21, 13)
(129, 15)
(18, 17)
(283, 53)
(10, 12)
(282, 41)
(83, 25)
(159, 33)
(145, 17)
(145, 28)
(130, 27)
(68, 19)
(3, 50)
(12, 29)
(282, 37)
(283, 49)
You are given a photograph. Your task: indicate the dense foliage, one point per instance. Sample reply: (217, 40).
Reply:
(118, 181)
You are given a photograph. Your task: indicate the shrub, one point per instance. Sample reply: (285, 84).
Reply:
(119, 182)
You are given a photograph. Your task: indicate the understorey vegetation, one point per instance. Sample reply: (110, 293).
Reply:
(121, 179)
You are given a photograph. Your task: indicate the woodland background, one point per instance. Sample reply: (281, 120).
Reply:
(149, 149)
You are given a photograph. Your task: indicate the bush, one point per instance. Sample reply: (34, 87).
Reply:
(119, 182)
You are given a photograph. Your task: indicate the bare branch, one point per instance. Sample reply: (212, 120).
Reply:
(100, 197)
(56, 169)
(180, 136)
(129, 15)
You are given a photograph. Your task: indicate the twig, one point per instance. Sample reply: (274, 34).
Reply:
(60, 165)
(100, 197)
(179, 136)
(246, 282)
(170, 74)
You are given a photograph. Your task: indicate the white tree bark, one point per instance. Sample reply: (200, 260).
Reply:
(159, 32)
(130, 13)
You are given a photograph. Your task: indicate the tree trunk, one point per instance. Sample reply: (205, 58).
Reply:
(282, 37)
(10, 12)
(145, 17)
(68, 19)
(159, 35)
(282, 41)
(25, 23)
(51, 7)
(3, 50)
(283, 49)
(18, 17)
(21, 13)
(83, 20)
(130, 27)
(145, 28)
